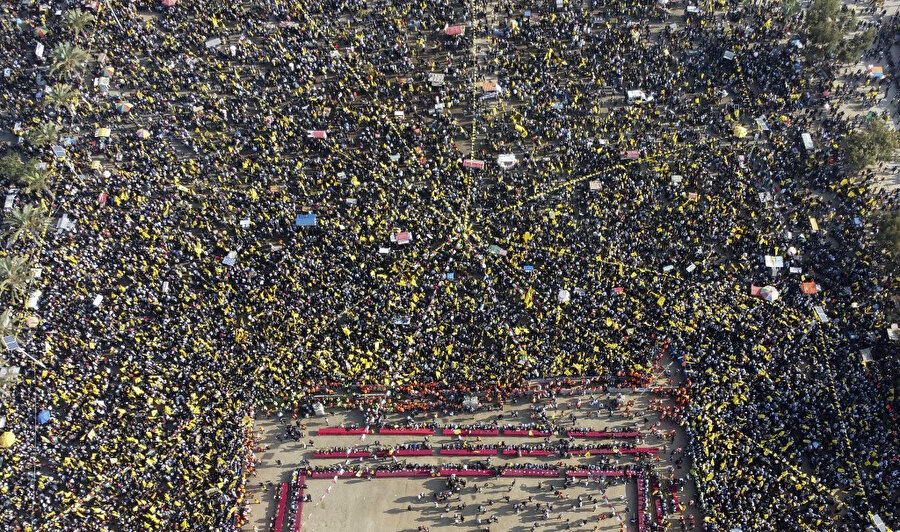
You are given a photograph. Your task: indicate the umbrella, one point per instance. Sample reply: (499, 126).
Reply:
(769, 293)
(124, 107)
(7, 440)
(43, 416)
(739, 131)
(143, 133)
(40, 32)
(32, 321)
(108, 71)
(169, 3)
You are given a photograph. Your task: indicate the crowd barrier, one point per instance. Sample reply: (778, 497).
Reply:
(468, 452)
(482, 452)
(467, 472)
(403, 473)
(342, 454)
(641, 500)
(298, 512)
(408, 432)
(507, 472)
(532, 452)
(585, 473)
(513, 472)
(657, 499)
(406, 452)
(340, 431)
(521, 432)
(601, 434)
(606, 450)
(676, 504)
(332, 474)
(471, 432)
(282, 506)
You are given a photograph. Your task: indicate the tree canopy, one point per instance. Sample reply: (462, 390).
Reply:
(874, 143)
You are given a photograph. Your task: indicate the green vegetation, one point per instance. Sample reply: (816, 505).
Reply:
(875, 143)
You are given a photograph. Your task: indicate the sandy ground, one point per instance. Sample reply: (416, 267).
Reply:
(382, 504)
(353, 508)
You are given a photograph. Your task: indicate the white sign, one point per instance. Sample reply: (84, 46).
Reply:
(879, 524)
(776, 261)
(637, 95)
(39, 50)
(807, 141)
(866, 355)
(507, 160)
(97, 300)
(820, 313)
(893, 332)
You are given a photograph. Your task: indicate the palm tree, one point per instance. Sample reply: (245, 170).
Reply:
(14, 273)
(790, 7)
(67, 58)
(11, 166)
(77, 20)
(35, 180)
(63, 95)
(44, 134)
(25, 222)
(9, 325)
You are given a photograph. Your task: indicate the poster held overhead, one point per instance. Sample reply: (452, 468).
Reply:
(401, 238)
(807, 141)
(456, 29)
(305, 220)
(507, 160)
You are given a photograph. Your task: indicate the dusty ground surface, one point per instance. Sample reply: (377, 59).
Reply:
(393, 505)
(374, 506)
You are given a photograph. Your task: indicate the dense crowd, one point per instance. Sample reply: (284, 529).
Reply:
(626, 228)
